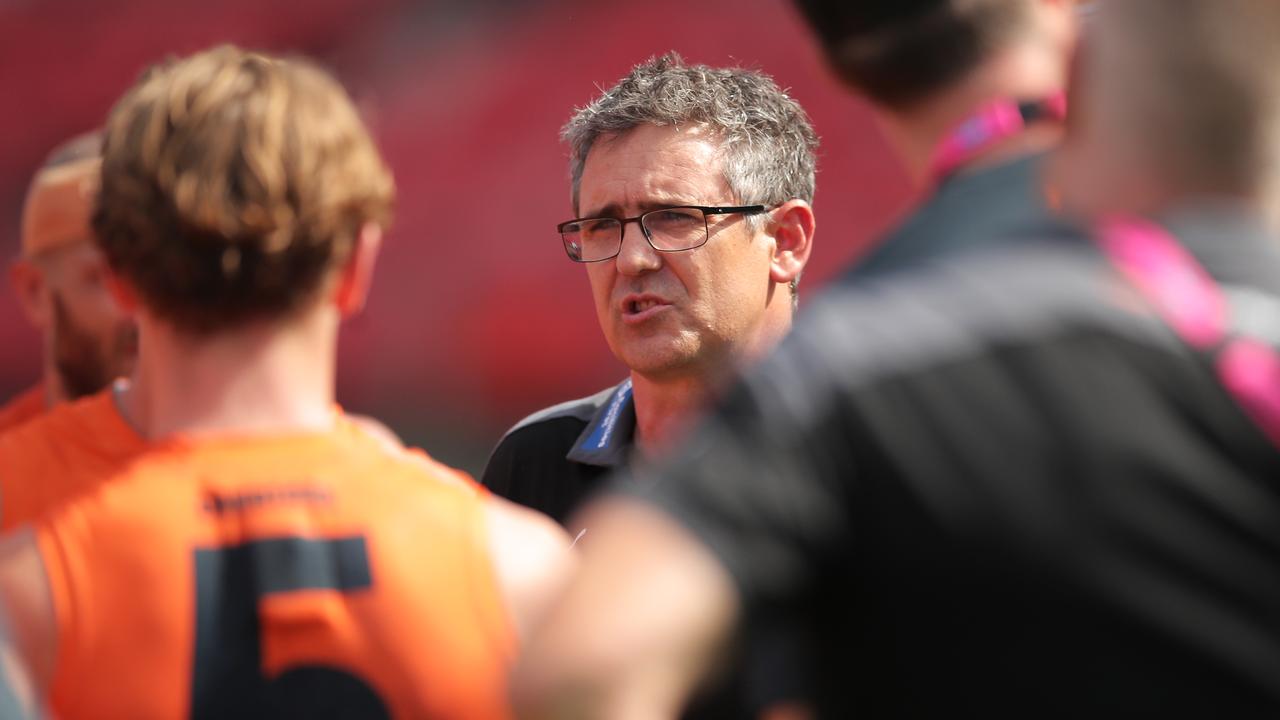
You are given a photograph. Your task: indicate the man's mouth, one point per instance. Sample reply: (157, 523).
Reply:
(641, 307)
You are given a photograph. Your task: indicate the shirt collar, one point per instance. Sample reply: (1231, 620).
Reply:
(608, 437)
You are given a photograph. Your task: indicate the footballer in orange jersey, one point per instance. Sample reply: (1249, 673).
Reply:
(261, 554)
(87, 339)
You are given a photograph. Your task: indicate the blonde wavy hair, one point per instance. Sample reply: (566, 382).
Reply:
(233, 184)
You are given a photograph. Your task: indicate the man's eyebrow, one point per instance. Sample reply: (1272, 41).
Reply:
(614, 210)
(611, 210)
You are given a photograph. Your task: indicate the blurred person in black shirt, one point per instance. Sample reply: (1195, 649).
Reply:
(1039, 481)
(970, 93)
(691, 188)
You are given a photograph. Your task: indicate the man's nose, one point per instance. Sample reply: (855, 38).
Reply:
(636, 256)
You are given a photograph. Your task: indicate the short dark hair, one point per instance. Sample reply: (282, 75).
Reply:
(233, 184)
(898, 52)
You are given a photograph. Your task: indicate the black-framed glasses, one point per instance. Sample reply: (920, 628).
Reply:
(672, 229)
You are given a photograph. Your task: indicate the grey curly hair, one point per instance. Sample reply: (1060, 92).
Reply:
(767, 144)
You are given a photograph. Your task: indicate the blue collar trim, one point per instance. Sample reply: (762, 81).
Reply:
(607, 439)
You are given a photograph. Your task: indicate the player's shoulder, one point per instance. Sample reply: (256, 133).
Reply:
(61, 415)
(22, 408)
(404, 469)
(59, 432)
(417, 461)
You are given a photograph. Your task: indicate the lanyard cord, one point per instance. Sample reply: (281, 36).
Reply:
(991, 125)
(1195, 307)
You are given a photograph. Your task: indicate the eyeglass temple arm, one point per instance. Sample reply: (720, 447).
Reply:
(734, 209)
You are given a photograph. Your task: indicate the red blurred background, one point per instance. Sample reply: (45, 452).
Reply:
(476, 318)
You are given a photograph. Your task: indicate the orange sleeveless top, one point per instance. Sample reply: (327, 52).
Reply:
(61, 454)
(298, 576)
(22, 408)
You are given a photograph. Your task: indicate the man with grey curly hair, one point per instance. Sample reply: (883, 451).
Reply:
(691, 192)
(712, 172)
(766, 143)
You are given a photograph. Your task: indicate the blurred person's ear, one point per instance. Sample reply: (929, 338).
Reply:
(357, 275)
(29, 283)
(791, 225)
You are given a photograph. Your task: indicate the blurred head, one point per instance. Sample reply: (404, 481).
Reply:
(899, 53)
(88, 340)
(239, 188)
(670, 135)
(1174, 99)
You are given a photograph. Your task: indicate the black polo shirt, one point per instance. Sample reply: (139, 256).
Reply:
(970, 209)
(553, 459)
(1000, 486)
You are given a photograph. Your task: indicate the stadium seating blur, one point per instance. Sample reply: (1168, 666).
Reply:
(477, 317)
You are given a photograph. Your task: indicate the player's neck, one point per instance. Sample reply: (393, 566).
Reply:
(267, 378)
(1022, 72)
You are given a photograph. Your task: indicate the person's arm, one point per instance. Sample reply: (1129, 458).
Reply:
(26, 602)
(18, 697)
(645, 617)
(532, 559)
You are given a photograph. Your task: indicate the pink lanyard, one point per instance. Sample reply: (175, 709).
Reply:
(1191, 302)
(994, 123)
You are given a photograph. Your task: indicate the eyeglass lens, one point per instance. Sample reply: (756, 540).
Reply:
(669, 229)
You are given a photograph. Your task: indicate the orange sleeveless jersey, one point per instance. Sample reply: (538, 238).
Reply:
(61, 454)
(269, 577)
(22, 408)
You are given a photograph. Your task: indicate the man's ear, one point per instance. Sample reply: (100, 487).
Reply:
(791, 224)
(30, 285)
(357, 275)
